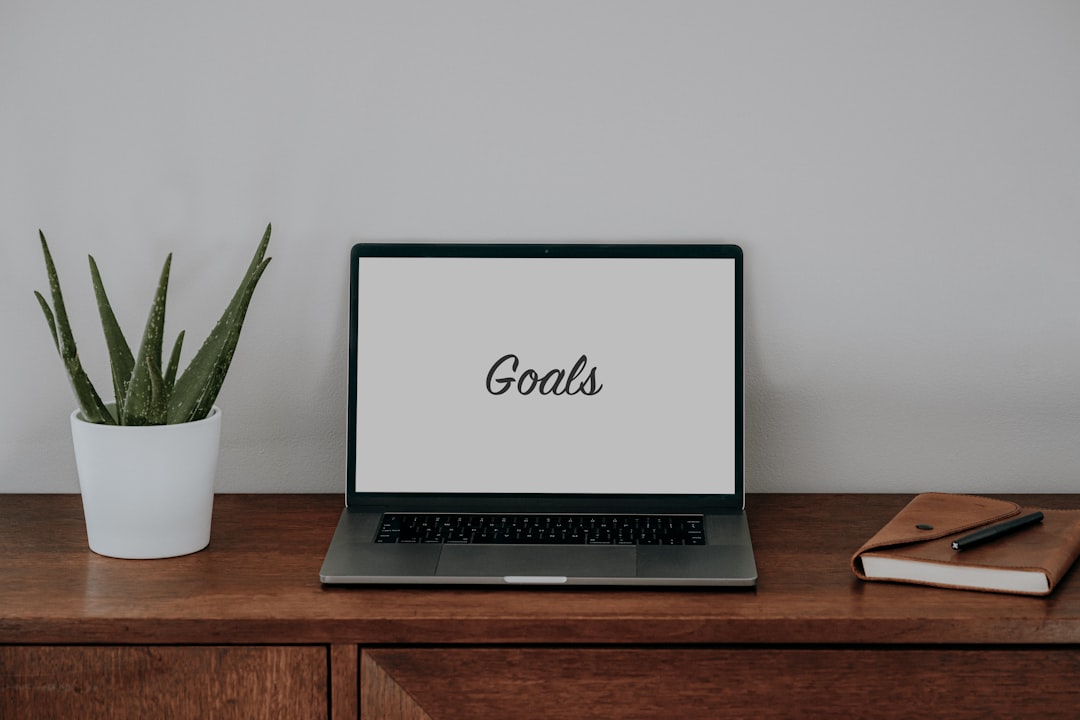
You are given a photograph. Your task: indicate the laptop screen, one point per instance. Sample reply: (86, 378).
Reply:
(546, 369)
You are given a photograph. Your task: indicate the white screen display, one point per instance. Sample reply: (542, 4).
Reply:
(545, 375)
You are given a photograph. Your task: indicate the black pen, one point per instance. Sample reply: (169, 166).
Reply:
(995, 531)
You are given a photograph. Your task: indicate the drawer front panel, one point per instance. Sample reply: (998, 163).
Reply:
(878, 682)
(181, 682)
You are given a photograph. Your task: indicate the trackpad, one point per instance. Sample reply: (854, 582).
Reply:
(574, 561)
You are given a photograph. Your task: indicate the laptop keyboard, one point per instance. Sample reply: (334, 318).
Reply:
(542, 529)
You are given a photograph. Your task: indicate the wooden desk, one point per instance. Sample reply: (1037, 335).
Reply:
(244, 629)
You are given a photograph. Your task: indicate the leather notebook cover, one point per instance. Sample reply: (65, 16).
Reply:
(916, 547)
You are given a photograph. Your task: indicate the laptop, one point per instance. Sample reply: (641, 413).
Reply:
(544, 414)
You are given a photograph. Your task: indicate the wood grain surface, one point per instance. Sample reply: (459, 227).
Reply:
(258, 582)
(245, 629)
(117, 683)
(761, 683)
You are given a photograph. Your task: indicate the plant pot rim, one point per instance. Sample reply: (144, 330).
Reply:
(215, 415)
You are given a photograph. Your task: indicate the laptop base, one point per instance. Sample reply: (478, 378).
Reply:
(355, 559)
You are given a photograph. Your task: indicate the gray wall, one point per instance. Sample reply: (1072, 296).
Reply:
(904, 178)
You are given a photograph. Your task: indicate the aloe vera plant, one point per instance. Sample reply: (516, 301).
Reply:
(147, 392)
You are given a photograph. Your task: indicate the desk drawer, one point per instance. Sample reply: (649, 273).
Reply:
(163, 682)
(878, 682)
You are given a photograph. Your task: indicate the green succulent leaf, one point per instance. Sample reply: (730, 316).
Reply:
(121, 359)
(66, 344)
(140, 405)
(174, 363)
(93, 409)
(49, 318)
(157, 411)
(197, 388)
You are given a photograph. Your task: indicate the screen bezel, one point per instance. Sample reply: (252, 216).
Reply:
(545, 502)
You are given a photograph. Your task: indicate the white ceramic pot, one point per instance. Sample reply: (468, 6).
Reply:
(147, 491)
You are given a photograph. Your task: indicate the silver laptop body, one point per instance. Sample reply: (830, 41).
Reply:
(576, 381)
